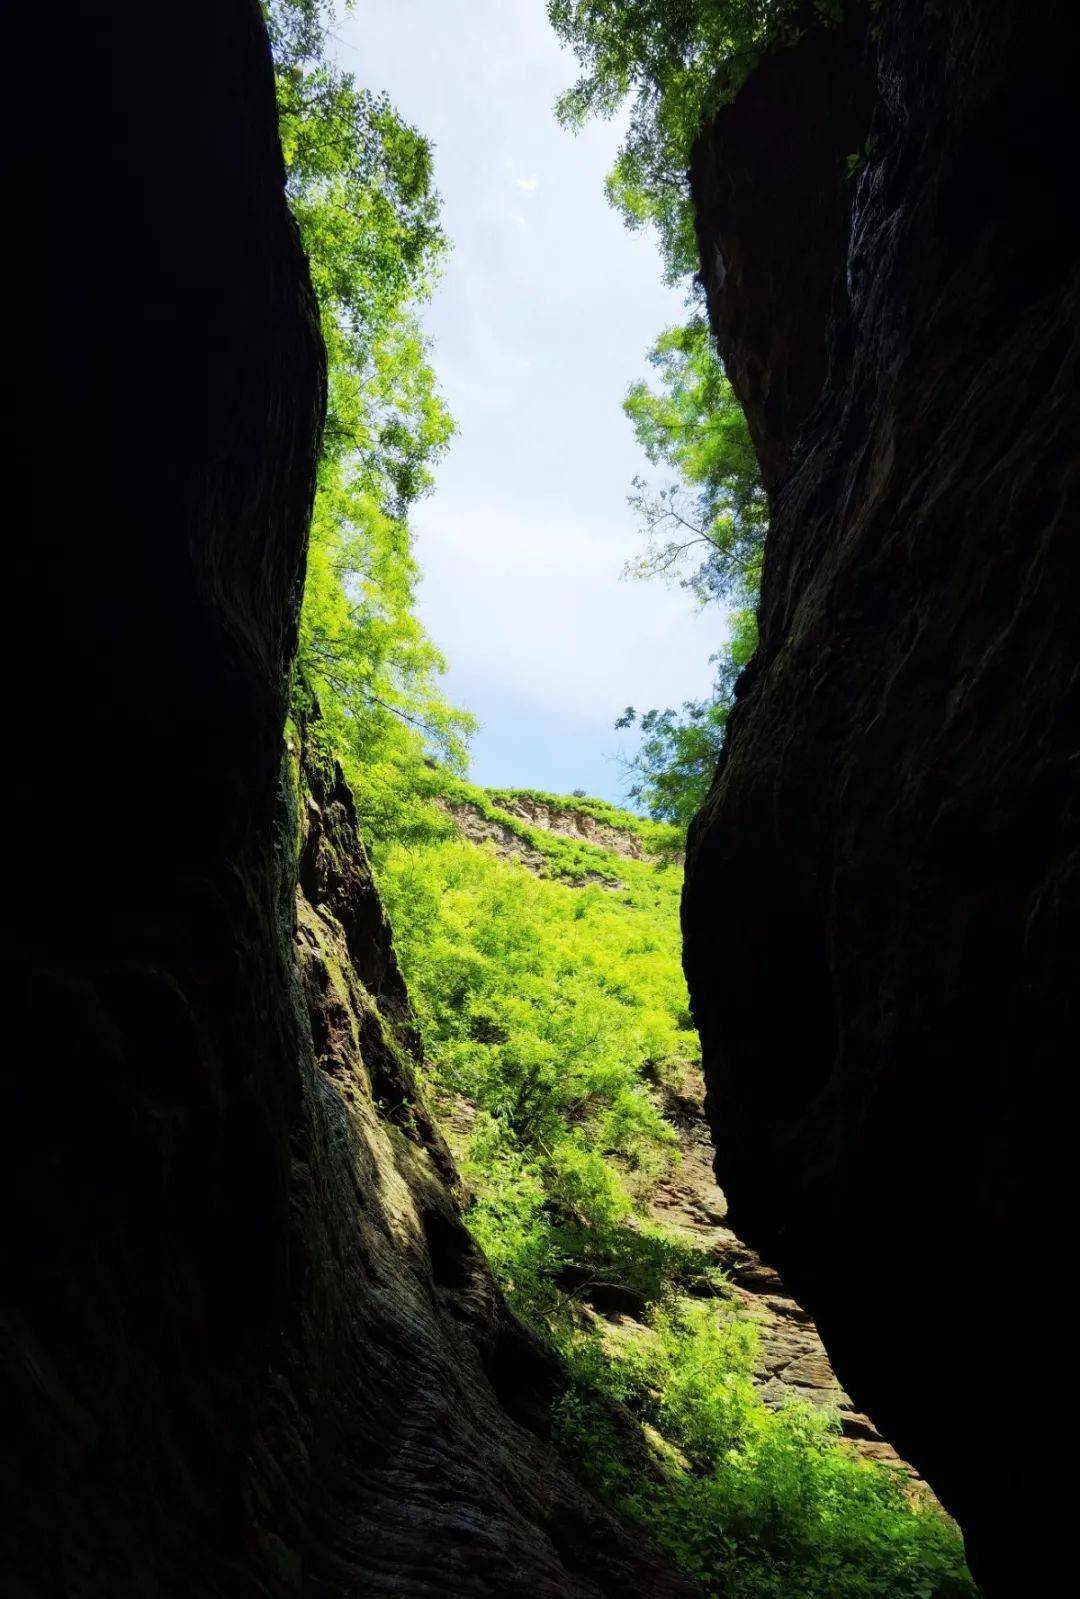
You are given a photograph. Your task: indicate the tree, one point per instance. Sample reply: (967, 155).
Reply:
(361, 186)
(677, 62)
(677, 756)
(706, 528)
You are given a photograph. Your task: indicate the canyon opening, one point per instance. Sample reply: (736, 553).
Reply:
(543, 912)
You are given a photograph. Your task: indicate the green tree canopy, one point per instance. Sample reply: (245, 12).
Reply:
(676, 62)
(361, 187)
(706, 527)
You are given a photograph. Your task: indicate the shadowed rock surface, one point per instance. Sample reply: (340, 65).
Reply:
(248, 1347)
(881, 910)
(792, 1362)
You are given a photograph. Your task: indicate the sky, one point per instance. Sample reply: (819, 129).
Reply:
(544, 315)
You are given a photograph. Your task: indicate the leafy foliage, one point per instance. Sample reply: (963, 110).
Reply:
(545, 1002)
(705, 529)
(752, 1503)
(713, 517)
(678, 753)
(677, 62)
(555, 1012)
(361, 187)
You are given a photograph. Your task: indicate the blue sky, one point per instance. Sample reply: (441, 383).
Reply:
(545, 312)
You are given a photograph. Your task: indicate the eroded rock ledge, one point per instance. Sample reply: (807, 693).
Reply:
(881, 909)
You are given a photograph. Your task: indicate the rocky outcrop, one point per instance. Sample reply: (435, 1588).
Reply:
(881, 910)
(566, 821)
(515, 824)
(791, 1359)
(481, 828)
(167, 365)
(248, 1347)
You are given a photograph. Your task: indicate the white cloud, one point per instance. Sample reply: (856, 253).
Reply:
(534, 599)
(545, 312)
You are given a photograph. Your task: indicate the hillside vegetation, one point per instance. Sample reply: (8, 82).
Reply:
(555, 1016)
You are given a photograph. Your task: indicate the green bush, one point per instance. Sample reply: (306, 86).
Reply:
(753, 1503)
(554, 1008)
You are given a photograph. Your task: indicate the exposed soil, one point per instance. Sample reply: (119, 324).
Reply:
(509, 845)
(571, 823)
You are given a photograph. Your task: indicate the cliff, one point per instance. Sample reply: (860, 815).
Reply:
(881, 907)
(248, 1347)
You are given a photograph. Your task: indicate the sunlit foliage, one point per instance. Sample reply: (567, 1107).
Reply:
(752, 1503)
(546, 1000)
(705, 529)
(361, 187)
(555, 1015)
(676, 62)
(678, 751)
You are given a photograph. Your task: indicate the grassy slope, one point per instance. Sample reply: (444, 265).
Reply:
(555, 1012)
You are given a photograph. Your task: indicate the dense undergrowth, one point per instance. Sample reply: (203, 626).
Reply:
(556, 1020)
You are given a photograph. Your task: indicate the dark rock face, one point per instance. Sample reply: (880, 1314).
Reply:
(881, 913)
(247, 1346)
(168, 373)
(773, 219)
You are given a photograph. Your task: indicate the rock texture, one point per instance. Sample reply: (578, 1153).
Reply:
(246, 1345)
(881, 910)
(499, 823)
(472, 824)
(792, 1362)
(568, 822)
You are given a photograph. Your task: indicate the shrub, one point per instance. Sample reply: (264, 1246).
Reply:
(555, 1006)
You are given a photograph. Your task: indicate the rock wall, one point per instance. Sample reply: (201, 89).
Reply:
(247, 1346)
(881, 911)
(791, 1359)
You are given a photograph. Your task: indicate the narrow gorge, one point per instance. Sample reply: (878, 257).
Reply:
(425, 1189)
